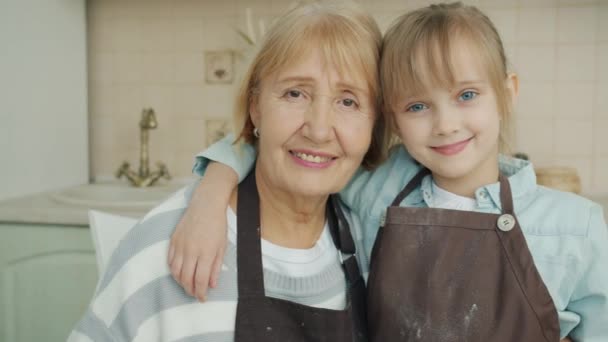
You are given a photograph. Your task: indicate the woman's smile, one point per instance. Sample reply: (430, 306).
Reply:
(312, 159)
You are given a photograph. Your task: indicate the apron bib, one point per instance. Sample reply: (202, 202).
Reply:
(450, 275)
(261, 318)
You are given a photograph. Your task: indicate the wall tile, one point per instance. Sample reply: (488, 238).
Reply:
(151, 53)
(158, 67)
(191, 134)
(188, 9)
(542, 160)
(385, 18)
(189, 35)
(486, 4)
(220, 33)
(528, 137)
(576, 62)
(100, 67)
(537, 25)
(100, 34)
(601, 101)
(602, 62)
(126, 131)
(505, 21)
(102, 100)
(573, 138)
(190, 101)
(602, 34)
(222, 97)
(600, 137)
(128, 100)
(126, 34)
(511, 51)
(160, 98)
(536, 100)
(102, 137)
(224, 8)
(158, 34)
(153, 9)
(578, 3)
(189, 68)
(600, 176)
(575, 100)
(397, 7)
(536, 62)
(105, 162)
(576, 24)
(128, 67)
(537, 3)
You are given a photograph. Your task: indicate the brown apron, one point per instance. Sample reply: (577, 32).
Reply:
(450, 275)
(261, 318)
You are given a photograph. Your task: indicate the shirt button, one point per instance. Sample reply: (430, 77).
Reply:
(506, 222)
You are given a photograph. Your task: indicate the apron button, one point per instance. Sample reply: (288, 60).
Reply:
(506, 222)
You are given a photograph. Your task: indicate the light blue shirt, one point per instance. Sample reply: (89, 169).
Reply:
(566, 233)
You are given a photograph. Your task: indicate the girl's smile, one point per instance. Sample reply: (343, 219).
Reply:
(452, 149)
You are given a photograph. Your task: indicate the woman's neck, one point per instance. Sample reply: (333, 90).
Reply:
(288, 220)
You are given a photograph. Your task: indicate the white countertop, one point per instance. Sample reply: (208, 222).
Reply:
(46, 208)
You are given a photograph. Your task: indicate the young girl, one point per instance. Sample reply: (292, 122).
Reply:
(470, 248)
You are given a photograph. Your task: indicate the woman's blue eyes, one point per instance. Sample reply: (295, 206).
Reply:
(467, 95)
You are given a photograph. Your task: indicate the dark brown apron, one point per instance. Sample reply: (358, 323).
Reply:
(450, 275)
(261, 318)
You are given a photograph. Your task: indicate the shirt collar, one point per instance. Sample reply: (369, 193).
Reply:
(519, 172)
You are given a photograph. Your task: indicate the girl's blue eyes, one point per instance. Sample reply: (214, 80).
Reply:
(416, 107)
(468, 95)
(465, 96)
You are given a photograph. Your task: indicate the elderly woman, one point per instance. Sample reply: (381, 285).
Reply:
(308, 104)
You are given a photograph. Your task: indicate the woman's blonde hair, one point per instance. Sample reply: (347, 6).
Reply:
(417, 54)
(346, 36)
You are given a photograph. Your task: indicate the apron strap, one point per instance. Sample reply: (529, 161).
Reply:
(410, 187)
(249, 251)
(343, 239)
(506, 199)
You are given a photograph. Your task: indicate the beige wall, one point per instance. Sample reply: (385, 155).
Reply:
(150, 53)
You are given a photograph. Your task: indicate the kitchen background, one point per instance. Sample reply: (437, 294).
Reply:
(75, 76)
(151, 53)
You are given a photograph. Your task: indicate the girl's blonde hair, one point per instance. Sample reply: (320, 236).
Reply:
(417, 54)
(347, 38)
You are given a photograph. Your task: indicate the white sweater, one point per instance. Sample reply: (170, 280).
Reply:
(137, 299)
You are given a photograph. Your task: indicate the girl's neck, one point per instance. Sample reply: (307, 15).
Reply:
(486, 173)
(288, 220)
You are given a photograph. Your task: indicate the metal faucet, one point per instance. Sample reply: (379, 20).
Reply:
(144, 178)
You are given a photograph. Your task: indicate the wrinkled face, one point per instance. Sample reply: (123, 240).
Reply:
(453, 131)
(315, 127)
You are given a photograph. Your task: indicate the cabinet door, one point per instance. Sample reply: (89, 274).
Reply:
(47, 278)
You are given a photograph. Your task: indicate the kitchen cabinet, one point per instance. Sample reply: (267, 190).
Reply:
(47, 277)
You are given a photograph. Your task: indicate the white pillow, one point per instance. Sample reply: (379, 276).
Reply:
(106, 231)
